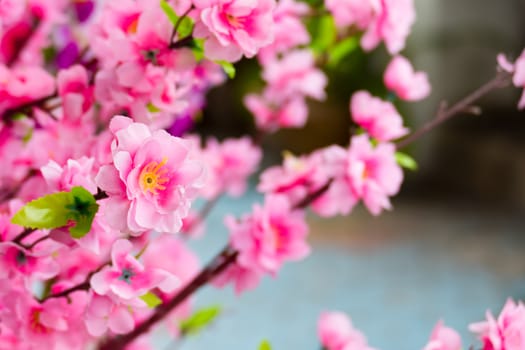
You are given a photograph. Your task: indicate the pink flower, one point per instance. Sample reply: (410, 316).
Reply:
(243, 279)
(103, 313)
(271, 115)
(373, 173)
(74, 173)
(127, 278)
(294, 75)
(289, 29)
(391, 23)
(230, 164)
(408, 85)
(353, 12)
(505, 333)
(443, 338)
(152, 181)
(233, 28)
(379, 118)
(336, 332)
(271, 235)
(76, 94)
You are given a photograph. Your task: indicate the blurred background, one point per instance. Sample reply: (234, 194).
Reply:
(452, 247)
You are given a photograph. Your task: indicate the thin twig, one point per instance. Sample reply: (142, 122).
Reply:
(177, 25)
(501, 80)
(27, 231)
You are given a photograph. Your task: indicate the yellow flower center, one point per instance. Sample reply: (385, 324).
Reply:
(35, 324)
(153, 177)
(234, 21)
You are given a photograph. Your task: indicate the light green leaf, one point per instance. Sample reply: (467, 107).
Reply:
(197, 47)
(265, 345)
(228, 67)
(325, 34)
(185, 27)
(169, 11)
(342, 49)
(406, 161)
(151, 300)
(200, 319)
(46, 212)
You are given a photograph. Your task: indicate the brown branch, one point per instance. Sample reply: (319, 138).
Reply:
(219, 264)
(81, 286)
(27, 231)
(226, 257)
(501, 80)
(25, 108)
(100, 194)
(176, 27)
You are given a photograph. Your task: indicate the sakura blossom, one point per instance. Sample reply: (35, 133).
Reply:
(443, 338)
(401, 78)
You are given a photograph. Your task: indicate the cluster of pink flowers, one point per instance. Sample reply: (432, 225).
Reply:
(100, 169)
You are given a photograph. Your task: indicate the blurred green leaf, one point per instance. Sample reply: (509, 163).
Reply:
(82, 210)
(228, 68)
(185, 27)
(342, 49)
(406, 161)
(151, 300)
(169, 11)
(197, 47)
(265, 345)
(152, 108)
(200, 319)
(324, 35)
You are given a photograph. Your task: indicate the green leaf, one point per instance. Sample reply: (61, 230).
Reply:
(228, 67)
(406, 161)
(152, 108)
(197, 47)
(185, 26)
(325, 34)
(82, 210)
(200, 319)
(169, 11)
(342, 49)
(151, 300)
(46, 212)
(58, 210)
(265, 345)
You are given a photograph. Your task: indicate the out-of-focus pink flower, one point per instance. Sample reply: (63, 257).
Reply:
(391, 23)
(234, 28)
(152, 181)
(336, 332)
(243, 279)
(230, 163)
(271, 116)
(373, 173)
(103, 313)
(353, 12)
(74, 89)
(379, 118)
(443, 338)
(507, 332)
(294, 75)
(127, 278)
(271, 235)
(77, 172)
(404, 82)
(289, 29)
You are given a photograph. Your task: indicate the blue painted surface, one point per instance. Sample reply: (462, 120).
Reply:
(395, 291)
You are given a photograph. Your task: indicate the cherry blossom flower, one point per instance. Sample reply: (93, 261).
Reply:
(127, 278)
(271, 235)
(336, 332)
(507, 332)
(404, 82)
(443, 338)
(233, 28)
(152, 181)
(379, 118)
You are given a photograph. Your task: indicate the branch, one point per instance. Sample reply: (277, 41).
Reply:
(219, 264)
(226, 257)
(501, 80)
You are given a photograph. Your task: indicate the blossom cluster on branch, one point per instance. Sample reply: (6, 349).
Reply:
(101, 162)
